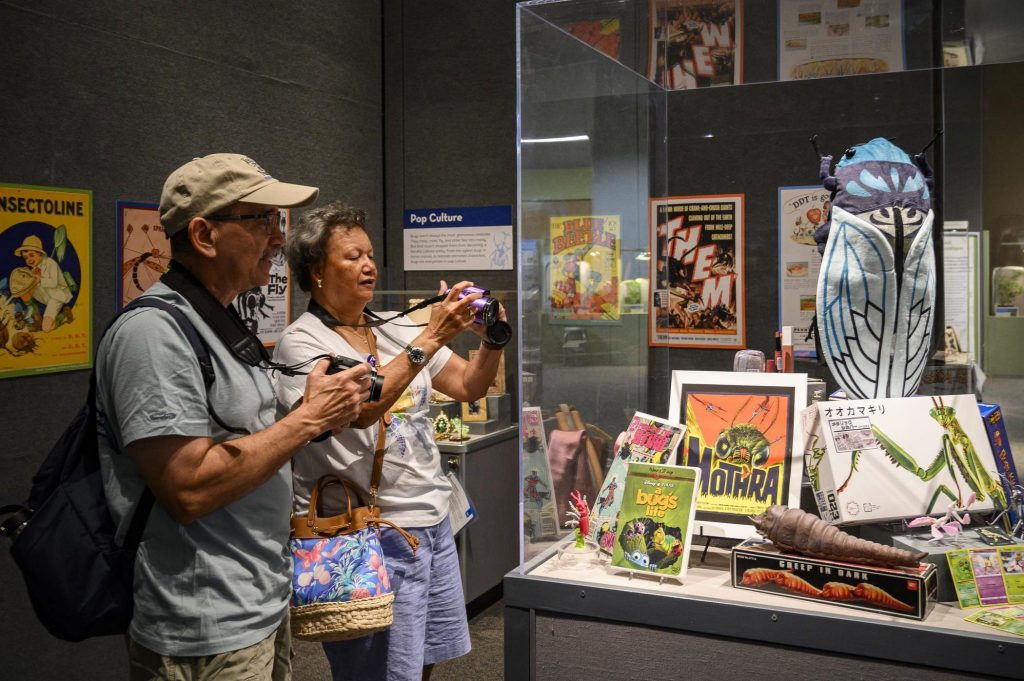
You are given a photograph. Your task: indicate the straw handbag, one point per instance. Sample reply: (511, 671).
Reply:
(340, 587)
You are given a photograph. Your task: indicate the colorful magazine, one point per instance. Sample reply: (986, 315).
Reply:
(656, 519)
(584, 275)
(648, 439)
(540, 517)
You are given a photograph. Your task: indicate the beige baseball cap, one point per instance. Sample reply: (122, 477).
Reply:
(205, 185)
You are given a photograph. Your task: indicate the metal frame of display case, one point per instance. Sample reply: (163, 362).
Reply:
(836, 631)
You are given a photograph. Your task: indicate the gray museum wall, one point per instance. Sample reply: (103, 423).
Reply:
(111, 96)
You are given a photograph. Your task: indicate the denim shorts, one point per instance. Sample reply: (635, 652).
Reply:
(430, 613)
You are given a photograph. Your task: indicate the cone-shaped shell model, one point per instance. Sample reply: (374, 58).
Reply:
(794, 530)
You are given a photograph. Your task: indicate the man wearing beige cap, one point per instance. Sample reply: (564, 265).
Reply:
(212, 575)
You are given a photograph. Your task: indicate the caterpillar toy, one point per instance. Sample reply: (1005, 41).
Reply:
(792, 529)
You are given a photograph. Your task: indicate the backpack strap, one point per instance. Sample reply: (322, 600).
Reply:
(141, 515)
(199, 347)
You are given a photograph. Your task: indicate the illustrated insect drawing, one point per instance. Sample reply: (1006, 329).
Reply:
(145, 252)
(743, 429)
(956, 455)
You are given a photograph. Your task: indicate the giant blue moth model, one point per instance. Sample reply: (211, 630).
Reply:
(876, 289)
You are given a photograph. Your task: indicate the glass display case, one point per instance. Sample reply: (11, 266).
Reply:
(640, 120)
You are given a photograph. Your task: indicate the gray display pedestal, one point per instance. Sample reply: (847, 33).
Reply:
(487, 466)
(563, 623)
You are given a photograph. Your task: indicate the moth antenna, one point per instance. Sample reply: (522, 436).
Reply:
(814, 143)
(933, 140)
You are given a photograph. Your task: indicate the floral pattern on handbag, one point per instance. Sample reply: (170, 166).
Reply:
(338, 569)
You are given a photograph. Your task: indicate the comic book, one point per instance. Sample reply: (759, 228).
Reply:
(656, 519)
(540, 516)
(584, 278)
(648, 439)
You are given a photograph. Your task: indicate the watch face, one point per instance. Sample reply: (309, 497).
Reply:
(416, 355)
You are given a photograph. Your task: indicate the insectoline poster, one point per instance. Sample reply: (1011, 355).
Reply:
(584, 275)
(741, 433)
(45, 279)
(696, 43)
(697, 287)
(801, 211)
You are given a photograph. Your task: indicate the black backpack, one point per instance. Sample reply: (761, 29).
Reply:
(80, 582)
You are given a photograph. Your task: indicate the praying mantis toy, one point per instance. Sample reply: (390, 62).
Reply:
(957, 454)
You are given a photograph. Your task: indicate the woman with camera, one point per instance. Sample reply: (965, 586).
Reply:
(330, 253)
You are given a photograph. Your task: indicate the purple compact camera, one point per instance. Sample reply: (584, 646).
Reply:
(486, 311)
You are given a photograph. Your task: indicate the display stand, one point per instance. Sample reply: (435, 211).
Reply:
(570, 624)
(487, 546)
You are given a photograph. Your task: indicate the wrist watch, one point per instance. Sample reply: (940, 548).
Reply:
(416, 355)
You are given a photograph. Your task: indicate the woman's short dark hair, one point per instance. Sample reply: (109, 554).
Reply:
(306, 244)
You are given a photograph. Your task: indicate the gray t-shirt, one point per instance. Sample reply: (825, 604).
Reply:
(221, 582)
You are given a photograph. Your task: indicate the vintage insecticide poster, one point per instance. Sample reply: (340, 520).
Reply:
(584, 274)
(801, 211)
(144, 254)
(885, 459)
(540, 516)
(45, 279)
(741, 432)
(697, 288)
(656, 519)
(143, 250)
(695, 43)
(648, 439)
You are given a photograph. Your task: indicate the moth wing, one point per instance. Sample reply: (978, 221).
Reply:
(914, 321)
(856, 299)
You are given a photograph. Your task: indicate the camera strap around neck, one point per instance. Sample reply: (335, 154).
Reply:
(224, 320)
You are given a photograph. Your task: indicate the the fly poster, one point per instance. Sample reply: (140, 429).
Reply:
(741, 431)
(584, 278)
(45, 279)
(697, 287)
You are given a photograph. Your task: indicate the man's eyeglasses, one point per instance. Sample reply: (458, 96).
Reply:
(268, 221)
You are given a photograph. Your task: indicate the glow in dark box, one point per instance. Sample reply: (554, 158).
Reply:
(759, 565)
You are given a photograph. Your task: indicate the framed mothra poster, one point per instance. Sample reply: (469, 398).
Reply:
(741, 431)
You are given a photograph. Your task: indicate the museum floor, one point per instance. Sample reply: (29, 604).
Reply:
(484, 663)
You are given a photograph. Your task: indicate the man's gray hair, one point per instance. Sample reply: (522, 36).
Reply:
(306, 244)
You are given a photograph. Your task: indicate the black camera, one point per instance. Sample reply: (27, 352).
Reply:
(486, 311)
(340, 363)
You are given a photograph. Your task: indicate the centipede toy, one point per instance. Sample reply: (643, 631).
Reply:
(838, 591)
(757, 576)
(873, 594)
(798, 584)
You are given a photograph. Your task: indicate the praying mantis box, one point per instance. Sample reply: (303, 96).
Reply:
(886, 459)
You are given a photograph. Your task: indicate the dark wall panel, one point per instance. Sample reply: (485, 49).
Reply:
(112, 96)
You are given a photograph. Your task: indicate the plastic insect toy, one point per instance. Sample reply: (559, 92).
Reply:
(579, 517)
(876, 287)
(951, 524)
(792, 529)
(1015, 507)
(957, 454)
